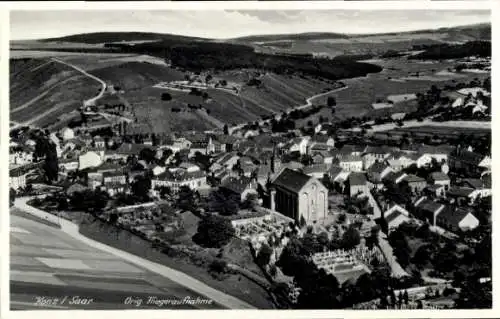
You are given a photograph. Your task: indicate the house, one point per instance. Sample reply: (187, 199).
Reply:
(400, 160)
(68, 165)
(416, 183)
(67, 134)
(374, 154)
(117, 177)
(20, 155)
(485, 163)
(89, 159)
(435, 190)
(323, 140)
(316, 170)
(75, 188)
(351, 163)
(355, 150)
(466, 162)
(427, 210)
(176, 179)
(377, 172)
(357, 184)
(481, 186)
(99, 142)
(241, 187)
(461, 195)
(299, 196)
(113, 188)
(440, 178)
(189, 167)
(322, 157)
(157, 170)
(454, 220)
(299, 144)
(394, 216)
(395, 177)
(17, 177)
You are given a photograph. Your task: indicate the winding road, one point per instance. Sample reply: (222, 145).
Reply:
(88, 102)
(309, 103)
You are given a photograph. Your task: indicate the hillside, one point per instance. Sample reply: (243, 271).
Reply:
(106, 37)
(447, 51)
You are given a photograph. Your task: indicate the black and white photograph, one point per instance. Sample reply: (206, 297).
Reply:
(250, 159)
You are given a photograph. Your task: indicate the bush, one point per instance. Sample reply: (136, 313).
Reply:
(218, 266)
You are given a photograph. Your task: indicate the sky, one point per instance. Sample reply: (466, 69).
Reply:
(222, 24)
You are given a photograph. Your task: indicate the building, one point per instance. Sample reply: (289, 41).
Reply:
(440, 178)
(377, 172)
(316, 170)
(298, 144)
(466, 162)
(241, 187)
(175, 180)
(357, 184)
(351, 163)
(416, 183)
(17, 178)
(299, 196)
(395, 216)
(375, 154)
(427, 210)
(89, 159)
(454, 220)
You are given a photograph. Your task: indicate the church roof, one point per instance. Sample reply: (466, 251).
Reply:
(291, 180)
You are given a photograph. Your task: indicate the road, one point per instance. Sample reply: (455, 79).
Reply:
(308, 103)
(59, 262)
(90, 101)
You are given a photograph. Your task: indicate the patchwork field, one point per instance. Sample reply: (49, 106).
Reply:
(361, 93)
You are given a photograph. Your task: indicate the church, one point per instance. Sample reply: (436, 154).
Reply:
(299, 196)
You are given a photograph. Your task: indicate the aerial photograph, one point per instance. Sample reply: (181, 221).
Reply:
(250, 159)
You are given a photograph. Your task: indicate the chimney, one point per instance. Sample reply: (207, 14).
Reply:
(273, 199)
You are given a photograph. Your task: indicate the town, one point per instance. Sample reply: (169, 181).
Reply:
(308, 205)
(312, 198)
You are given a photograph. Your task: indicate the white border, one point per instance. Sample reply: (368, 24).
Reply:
(494, 5)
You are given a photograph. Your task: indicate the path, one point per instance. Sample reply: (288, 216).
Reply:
(396, 269)
(103, 84)
(308, 103)
(90, 101)
(178, 277)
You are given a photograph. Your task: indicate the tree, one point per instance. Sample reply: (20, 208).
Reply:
(141, 186)
(214, 232)
(166, 96)
(186, 199)
(147, 155)
(12, 196)
(351, 238)
(226, 129)
(223, 203)
(264, 256)
(401, 250)
(331, 101)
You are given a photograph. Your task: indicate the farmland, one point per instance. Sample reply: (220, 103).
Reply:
(441, 131)
(362, 92)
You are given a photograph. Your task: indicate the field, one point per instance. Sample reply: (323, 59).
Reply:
(361, 93)
(441, 131)
(42, 90)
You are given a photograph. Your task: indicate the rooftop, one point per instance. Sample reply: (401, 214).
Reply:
(291, 180)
